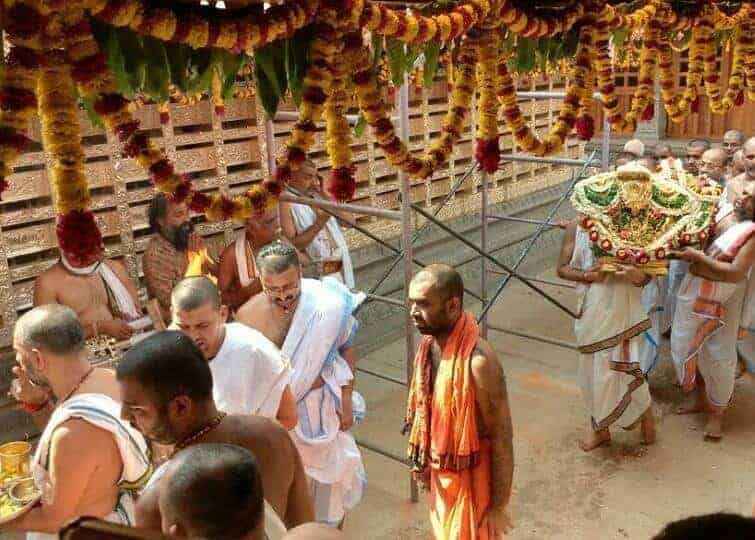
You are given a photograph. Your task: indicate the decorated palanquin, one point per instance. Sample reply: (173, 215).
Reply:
(636, 218)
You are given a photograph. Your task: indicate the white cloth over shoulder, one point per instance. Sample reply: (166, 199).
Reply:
(320, 248)
(103, 412)
(249, 373)
(322, 326)
(609, 334)
(246, 274)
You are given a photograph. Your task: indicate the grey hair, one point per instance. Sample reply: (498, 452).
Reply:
(736, 133)
(194, 292)
(699, 143)
(277, 257)
(52, 327)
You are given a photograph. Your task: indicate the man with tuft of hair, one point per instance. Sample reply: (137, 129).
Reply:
(84, 437)
(312, 322)
(167, 389)
(250, 374)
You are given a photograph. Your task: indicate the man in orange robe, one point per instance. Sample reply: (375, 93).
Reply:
(458, 417)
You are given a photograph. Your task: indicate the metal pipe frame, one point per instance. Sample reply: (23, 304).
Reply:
(351, 208)
(543, 339)
(495, 261)
(547, 95)
(385, 453)
(550, 161)
(382, 376)
(533, 239)
(484, 247)
(378, 298)
(496, 217)
(293, 116)
(537, 279)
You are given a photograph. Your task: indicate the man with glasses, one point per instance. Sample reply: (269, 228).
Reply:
(312, 322)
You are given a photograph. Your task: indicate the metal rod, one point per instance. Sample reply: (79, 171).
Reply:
(270, 138)
(533, 239)
(384, 453)
(537, 279)
(352, 208)
(496, 261)
(605, 143)
(385, 299)
(406, 243)
(293, 116)
(547, 95)
(550, 341)
(484, 247)
(381, 376)
(551, 161)
(524, 220)
(417, 233)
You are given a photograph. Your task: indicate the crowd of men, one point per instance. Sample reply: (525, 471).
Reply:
(234, 422)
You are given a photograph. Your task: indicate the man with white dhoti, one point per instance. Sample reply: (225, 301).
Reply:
(84, 437)
(708, 311)
(250, 374)
(610, 338)
(315, 232)
(312, 322)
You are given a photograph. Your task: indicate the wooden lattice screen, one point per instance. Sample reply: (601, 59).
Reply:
(229, 154)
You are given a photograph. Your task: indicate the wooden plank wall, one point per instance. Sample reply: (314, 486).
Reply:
(228, 154)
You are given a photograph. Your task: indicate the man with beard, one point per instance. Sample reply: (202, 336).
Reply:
(166, 386)
(708, 311)
(238, 279)
(99, 290)
(312, 322)
(250, 374)
(166, 258)
(694, 154)
(458, 417)
(88, 462)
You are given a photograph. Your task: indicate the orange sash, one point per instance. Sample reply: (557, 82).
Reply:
(444, 436)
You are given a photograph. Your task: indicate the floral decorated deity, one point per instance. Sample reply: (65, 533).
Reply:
(637, 218)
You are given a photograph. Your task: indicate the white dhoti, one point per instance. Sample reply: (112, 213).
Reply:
(746, 343)
(103, 412)
(677, 269)
(610, 337)
(653, 299)
(322, 326)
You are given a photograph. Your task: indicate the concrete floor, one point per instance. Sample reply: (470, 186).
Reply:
(622, 491)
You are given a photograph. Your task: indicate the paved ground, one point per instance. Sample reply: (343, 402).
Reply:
(622, 491)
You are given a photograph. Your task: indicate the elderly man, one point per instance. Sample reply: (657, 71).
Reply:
(250, 374)
(87, 462)
(315, 232)
(732, 141)
(166, 258)
(99, 290)
(238, 279)
(635, 147)
(460, 434)
(610, 341)
(708, 311)
(694, 153)
(737, 164)
(312, 322)
(166, 386)
(215, 491)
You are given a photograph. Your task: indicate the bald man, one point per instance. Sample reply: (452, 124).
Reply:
(733, 141)
(737, 165)
(458, 377)
(635, 147)
(736, 185)
(694, 153)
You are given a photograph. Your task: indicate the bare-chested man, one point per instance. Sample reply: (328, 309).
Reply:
(166, 385)
(312, 322)
(467, 461)
(99, 290)
(732, 141)
(238, 279)
(736, 185)
(83, 438)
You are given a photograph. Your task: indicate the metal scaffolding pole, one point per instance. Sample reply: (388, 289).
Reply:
(542, 339)
(494, 260)
(496, 217)
(336, 207)
(534, 238)
(484, 247)
(549, 161)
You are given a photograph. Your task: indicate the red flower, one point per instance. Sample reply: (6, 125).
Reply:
(164, 117)
(258, 197)
(183, 27)
(214, 33)
(10, 137)
(314, 95)
(23, 57)
(135, 145)
(488, 154)
(606, 245)
(702, 235)
(3, 186)
(182, 191)
(594, 236)
(648, 113)
(587, 223)
(199, 202)
(740, 99)
(660, 253)
(642, 258)
(282, 174)
(274, 187)
(226, 207)
(622, 254)
(126, 130)
(220, 110)
(341, 184)
(161, 171)
(87, 69)
(585, 127)
(78, 235)
(24, 22)
(624, 235)
(108, 104)
(362, 77)
(686, 238)
(16, 99)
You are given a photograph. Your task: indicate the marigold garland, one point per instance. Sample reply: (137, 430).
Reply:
(487, 152)
(525, 25)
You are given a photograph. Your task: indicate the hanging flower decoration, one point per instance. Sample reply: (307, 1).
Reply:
(487, 152)
(525, 25)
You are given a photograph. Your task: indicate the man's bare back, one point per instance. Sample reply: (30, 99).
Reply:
(86, 295)
(260, 313)
(283, 478)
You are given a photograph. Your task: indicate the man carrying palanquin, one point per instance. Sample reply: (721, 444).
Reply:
(166, 386)
(312, 322)
(238, 278)
(458, 418)
(250, 374)
(173, 244)
(98, 289)
(88, 462)
(708, 311)
(315, 232)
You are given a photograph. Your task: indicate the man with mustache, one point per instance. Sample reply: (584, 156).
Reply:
(166, 258)
(312, 322)
(695, 150)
